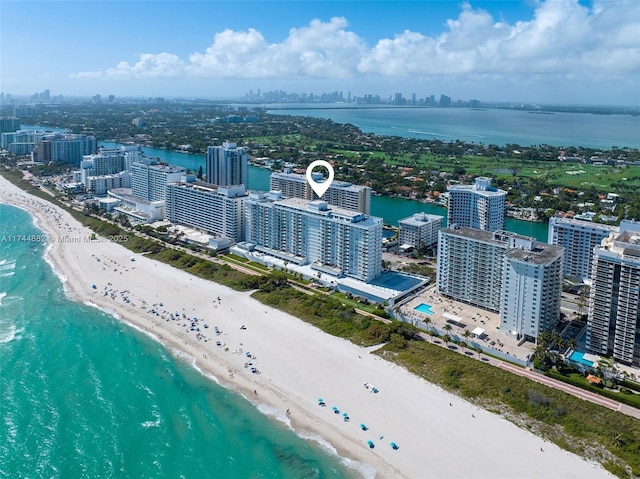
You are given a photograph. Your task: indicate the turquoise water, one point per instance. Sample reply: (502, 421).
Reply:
(84, 395)
(578, 357)
(490, 126)
(424, 308)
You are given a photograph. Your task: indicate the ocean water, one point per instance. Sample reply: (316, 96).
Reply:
(83, 395)
(490, 126)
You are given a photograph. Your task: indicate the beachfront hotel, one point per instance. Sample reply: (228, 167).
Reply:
(340, 194)
(64, 148)
(502, 272)
(332, 240)
(227, 165)
(478, 206)
(149, 178)
(419, 231)
(216, 210)
(613, 327)
(578, 238)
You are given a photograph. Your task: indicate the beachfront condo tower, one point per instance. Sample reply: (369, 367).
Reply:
(613, 327)
(578, 238)
(332, 240)
(478, 206)
(227, 165)
(419, 231)
(341, 193)
(502, 272)
(217, 210)
(149, 178)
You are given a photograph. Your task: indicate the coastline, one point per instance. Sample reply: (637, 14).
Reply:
(298, 364)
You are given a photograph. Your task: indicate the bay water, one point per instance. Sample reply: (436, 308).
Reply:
(83, 395)
(497, 126)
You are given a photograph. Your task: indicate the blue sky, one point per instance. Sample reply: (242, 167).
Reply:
(568, 51)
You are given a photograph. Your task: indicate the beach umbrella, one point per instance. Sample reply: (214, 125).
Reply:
(394, 445)
(344, 414)
(363, 427)
(320, 400)
(370, 443)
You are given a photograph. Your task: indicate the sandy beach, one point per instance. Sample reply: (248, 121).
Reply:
(438, 434)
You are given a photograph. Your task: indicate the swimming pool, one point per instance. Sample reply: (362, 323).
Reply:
(578, 357)
(424, 308)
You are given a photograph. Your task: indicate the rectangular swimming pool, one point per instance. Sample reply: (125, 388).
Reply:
(578, 357)
(424, 308)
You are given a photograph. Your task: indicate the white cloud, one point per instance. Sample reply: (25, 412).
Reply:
(562, 38)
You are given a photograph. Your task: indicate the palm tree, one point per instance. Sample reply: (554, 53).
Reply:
(427, 321)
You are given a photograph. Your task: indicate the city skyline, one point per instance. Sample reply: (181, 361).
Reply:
(564, 51)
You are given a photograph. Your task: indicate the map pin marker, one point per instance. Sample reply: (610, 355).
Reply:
(320, 188)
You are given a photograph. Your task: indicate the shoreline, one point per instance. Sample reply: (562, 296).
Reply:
(298, 364)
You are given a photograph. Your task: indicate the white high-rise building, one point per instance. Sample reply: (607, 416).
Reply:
(531, 289)
(227, 165)
(502, 272)
(107, 162)
(419, 231)
(332, 240)
(578, 238)
(215, 210)
(613, 327)
(478, 206)
(341, 193)
(149, 178)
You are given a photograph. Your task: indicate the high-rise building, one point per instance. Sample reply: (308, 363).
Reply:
(149, 178)
(613, 327)
(478, 206)
(64, 148)
(100, 185)
(419, 231)
(341, 193)
(216, 210)
(9, 124)
(578, 238)
(332, 240)
(106, 163)
(502, 272)
(227, 165)
(27, 139)
(531, 289)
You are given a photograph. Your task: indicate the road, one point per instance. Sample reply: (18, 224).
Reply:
(553, 383)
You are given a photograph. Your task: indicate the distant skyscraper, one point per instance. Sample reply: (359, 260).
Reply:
(477, 206)
(9, 124)
(578, 238)
(227, 165)
(613, 327)
(341, 193)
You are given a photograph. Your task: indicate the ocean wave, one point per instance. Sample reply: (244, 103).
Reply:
(276, 413)
(7, 274)
(2, 295)
(6, 336)
(188, 358)
(157, 421)
(367, 471)
(6, 265)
